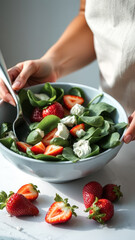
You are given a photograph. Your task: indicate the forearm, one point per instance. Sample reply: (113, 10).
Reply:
(74, 49)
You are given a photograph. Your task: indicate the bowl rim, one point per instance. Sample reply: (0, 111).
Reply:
(80, 160)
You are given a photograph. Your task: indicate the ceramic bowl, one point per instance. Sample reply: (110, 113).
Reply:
(63, 171)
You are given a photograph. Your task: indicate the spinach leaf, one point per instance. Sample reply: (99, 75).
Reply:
(95, 150)
(36, 102)
(111, 141)
(77, 92)
(68, 154)
(98, 108)
(7, 141)
(41, 156)
(95, 121)
(120, 127)
(4, 128)
(59, 94)
(59, 142)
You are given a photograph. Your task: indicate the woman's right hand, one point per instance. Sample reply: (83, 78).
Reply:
(26, 74)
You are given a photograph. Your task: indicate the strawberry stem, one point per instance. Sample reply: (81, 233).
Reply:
(4, 198)
(58, 198)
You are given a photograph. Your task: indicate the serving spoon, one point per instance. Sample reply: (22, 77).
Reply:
(20, 126)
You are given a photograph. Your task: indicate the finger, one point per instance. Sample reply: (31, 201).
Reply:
(28, 68)
(5, 95)
(130, 133)
(14, 72)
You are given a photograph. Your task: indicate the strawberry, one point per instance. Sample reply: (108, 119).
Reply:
(29, 191)
(53, 150)
(60, 211)
(54, 109)
(47, 138)
(112, 192)
(90, 191)
(38, 148)
(17, 205)
(70, 100)
(22, 146)
(36, 115)
(76, 128)
(66, 112)
(101, 210)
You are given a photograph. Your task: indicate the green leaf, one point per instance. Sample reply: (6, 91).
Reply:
(4, 128)
(7, 141)
(98, 108)
(76, 91)
(68, 154)
(95, 121)
(92, 100)
(111, 141)
(59, 142)
(59, 94)
(48, 123)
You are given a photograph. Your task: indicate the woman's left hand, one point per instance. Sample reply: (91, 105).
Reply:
(130, 133)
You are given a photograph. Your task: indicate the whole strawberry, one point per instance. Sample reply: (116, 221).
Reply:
(102, 210)
(112, 192)
(17, 205)
(90, 191)
(36, 115)
(54, 109)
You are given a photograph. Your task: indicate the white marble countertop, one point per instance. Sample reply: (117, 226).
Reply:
(121, 170)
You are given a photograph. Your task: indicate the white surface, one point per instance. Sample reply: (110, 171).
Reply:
(122, 226)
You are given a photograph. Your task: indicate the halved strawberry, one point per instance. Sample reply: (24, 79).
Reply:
(71, 100)
(29, 191)
(38, 148)
(54, 109)
(53, 150)
(22, 146)
(76, 128)
(47, 138)
(60, 211)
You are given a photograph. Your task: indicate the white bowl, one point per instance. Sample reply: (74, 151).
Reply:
(63, 170)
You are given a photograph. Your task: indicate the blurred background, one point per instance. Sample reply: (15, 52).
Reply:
(29, 27)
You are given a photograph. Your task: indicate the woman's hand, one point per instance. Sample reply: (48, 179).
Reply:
(130, 133)
(26, 74)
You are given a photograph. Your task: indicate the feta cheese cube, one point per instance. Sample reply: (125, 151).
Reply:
(62, 131)
(77, 109)
(80, 133)
(81, 148)
(41, 133)
(69, 121)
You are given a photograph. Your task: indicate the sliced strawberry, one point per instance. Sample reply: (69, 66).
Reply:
(22, 146)
(38, 148)
(36, 115)
(47, 138)
(76, 128)
(29, 191)
(60, 211)
(54, 109)
(71, 100)
(53, 150)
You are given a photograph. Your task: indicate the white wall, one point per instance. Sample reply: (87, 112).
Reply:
(29, 27)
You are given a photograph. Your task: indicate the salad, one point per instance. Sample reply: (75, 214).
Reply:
(63, 126)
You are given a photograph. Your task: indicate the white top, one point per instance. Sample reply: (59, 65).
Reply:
(113, 25)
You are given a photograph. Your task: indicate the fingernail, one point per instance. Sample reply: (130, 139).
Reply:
(16, 85)
(12, 103)
(127, 138)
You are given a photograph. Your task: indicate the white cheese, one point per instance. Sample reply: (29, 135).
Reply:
(82, 148)
(42, 96)
(80, 133)
(62, 131)
(41, 133)
(77, 109)
(69, 121)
